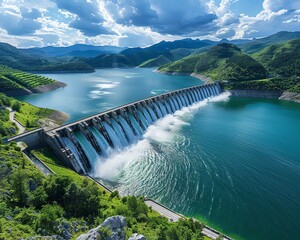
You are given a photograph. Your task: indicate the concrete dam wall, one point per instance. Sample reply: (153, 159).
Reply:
(81, 143)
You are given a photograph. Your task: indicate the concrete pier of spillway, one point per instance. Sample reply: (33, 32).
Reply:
(117, 125)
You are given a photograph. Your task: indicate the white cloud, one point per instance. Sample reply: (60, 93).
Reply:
(137, 22)
(277, 15)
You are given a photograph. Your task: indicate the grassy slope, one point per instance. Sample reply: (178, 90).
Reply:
(12, 79)
(30, 115)
(223, 62)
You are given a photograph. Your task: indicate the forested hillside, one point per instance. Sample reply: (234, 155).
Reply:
(281, 59)
(223, 61)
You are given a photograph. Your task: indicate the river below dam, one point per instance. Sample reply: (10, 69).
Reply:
(233, 163)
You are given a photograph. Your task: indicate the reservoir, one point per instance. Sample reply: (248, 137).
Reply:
(233, 163)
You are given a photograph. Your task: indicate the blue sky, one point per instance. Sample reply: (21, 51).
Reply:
(37, 23)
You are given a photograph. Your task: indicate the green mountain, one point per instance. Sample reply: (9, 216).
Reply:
(140, 55)
(281, 59)
(223, 61)
(170, 56)
(136, 56)
(16, 58)
(259, 44)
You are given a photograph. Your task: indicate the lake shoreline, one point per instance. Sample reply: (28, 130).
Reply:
(62, 71)
(40, 89)
(268, 94)
(201, 77)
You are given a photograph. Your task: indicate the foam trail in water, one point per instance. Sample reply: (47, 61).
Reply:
(163, 131)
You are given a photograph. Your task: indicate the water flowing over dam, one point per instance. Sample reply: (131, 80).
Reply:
(82, 143)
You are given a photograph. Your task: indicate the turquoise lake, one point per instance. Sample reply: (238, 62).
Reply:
(233, 163)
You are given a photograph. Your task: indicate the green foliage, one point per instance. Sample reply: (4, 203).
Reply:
(56, 188)
(47, 156)
(259, 44)
(275, 84)
(73, 198)
(49, 215)
(223, 62)
(29, 115)
(86, 198)
(16, 106)
(114, 194)
(19, 186)
(38, 197)
(26, 216)
(104, 232)
(12, 79)
(281, 59)
(6, 127)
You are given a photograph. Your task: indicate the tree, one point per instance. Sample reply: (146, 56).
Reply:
(86, 198)
(19, 186)
(56, 188)
(28, 123)
(132, 205)
(172, 234)
(16, 106)
(38, 197)
(49, 214)
(161, 235)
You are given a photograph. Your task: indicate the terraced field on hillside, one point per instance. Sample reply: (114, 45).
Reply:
(12, 79)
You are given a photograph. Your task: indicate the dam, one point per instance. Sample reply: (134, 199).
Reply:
(81, 143)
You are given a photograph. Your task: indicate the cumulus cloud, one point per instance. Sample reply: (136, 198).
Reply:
(88, 20)
(277, 15)
(277, 5)
(23, 22)
(166, 17)
(140, 22)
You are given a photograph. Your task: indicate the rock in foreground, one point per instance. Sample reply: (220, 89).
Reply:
(111, 229)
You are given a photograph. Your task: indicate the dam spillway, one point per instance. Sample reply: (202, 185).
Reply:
(80, 144)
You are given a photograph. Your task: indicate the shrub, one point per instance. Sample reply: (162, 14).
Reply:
(48, 215)
(16, 106)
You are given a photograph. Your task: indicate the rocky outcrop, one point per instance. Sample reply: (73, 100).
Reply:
(256, 93)
(48, 87)
(290, 96)
(137, 236)
(111, 229)
(115, 224)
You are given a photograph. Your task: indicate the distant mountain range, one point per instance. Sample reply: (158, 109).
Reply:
(81, 57)
(258, 44)
(77, 50)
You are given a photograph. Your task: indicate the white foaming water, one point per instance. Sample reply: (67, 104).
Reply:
(162, 131)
